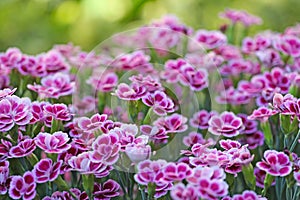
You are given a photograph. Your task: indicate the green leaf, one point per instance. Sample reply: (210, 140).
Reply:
(88, 184)
(266, 128)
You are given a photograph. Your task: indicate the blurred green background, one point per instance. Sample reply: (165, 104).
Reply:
(36, 25)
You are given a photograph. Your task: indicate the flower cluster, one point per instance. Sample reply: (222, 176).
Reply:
(166, 112)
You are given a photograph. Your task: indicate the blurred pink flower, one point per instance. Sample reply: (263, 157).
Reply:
(200, 119)
(240, 16)
(104, 81)
(260, 176)
(54, 86)
(288, 44)
(182, 192)
(4, 173)
(209, 39)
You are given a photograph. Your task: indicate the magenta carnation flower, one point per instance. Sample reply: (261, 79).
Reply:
(106, 190)
(53, 143)
(200, 119)
(182, 192)
(133, 92)
(93, 123)
(275, 163)
(210, 39)
(227, 124)
(54, 86)
(23, 148)
(106, 149)
(45, 170)
(262, 114)
(176, 172)
(14, 110)
(240, 16)
(22, 187)
(4, 173)
(103, 82)
(288, 44)
(174, 123)
(56, 112)
(160, 103)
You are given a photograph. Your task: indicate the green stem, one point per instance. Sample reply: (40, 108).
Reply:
(295, 142)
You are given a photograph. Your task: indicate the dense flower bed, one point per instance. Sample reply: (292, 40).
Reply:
(162, 112)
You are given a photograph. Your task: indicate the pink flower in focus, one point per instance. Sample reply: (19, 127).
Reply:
(56, 112)
(275, 163)
(150, 172)
(106, 190)
(262, 114)
(210, 39)
(103, 82)
(23, 148)
(152, 84)
(127, 92)
(53, 143)
(22, 187)
(200, 119)
(54, 86)
(176, 172)
(182, 192)
(4, 173)
(288, 44)
(45, 170)
(227, 124)
(64, 195)
(155, 133)
(106, 149)
(83, 164)
(160, 103)
(93, 123)
(174, 123)
(14, 110)
(37, 110)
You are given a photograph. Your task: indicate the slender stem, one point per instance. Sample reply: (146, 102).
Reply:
(295, 142)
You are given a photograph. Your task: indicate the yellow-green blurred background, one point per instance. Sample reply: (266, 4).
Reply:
(36, 25)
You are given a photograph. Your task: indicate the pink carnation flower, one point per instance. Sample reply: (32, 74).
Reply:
(200, 119)
(54, 86)
(176, 172)
(288, 44)
(106, 190)
(275, 163)
(23, 187)
(45, 170)
(14, 110)
(182, 192)
(103, 82)
(262, 114)
(23, 148)
(160, 103)
(227, 124)
(174, 123)
(56, 112)
(106, 149)
(127, 92)
(53, 143)
(240, 16)
(4, 173)
(210, 39)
